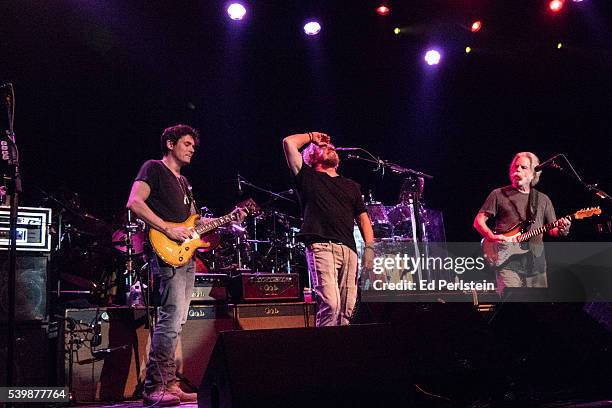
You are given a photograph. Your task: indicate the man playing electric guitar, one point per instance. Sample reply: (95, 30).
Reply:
(162, 198)
(510, 205)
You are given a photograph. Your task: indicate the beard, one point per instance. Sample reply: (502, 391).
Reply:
(331, 161)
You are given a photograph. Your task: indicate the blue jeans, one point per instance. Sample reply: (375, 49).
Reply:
(175, 289)
(333, 273)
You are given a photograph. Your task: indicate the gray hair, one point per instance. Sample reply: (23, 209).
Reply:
(534, 161)
(309, 154)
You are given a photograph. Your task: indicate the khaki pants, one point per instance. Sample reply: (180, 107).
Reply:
(333, 273)
(507, 278)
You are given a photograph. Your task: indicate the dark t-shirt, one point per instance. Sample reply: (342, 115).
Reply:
(330, 206)
(508, 206)
(167, 198)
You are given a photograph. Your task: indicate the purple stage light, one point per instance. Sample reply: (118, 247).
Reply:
(312, 28)
(236, 11)
(433, 57)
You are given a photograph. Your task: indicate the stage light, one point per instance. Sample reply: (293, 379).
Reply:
(432, 57)
(383, 10)
(476, 26)
(396, 31)
(468, 50)
(312, 28)
(559, 45)
(236, 11)
(555, 5)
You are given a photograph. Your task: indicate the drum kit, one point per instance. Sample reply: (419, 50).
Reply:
(99, 261)
(94, 258)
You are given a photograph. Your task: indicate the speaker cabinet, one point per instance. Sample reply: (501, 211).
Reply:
(198, 339)
(271, 316)
(31, 287)
(322, 367)
(112, 375)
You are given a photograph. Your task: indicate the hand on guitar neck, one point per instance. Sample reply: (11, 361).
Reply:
(180, 233)
(177, 243)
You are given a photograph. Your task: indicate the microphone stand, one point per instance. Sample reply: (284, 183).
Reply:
(571, 172)
(418, 233)
(385, 164)
(242, 180)
(14, 189)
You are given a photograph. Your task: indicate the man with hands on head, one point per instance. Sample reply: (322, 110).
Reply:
(331, 204)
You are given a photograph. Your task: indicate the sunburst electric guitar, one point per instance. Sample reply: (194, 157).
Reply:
(179, 253)
(497, 253)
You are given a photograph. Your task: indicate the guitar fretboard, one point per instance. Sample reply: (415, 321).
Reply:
(216, 223)
(534, 232)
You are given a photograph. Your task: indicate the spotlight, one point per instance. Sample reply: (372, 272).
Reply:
(432, 57)
(312, 28)
(555, 5)
(476, 26)
(383, 10)
(397, 31)
(559, 45)
(468, 49)
(236, 11)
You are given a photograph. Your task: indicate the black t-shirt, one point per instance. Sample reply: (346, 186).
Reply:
(330, 206)
(168, 193)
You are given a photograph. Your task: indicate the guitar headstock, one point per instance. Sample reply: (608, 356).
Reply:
(249, 206)
(587, 212)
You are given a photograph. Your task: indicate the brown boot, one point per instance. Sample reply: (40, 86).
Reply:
(160, 398)
(183, 396)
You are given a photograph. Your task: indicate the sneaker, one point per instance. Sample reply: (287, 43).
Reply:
(160, 398)
(182, 395)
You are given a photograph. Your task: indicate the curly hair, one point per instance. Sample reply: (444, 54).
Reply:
(174, 133)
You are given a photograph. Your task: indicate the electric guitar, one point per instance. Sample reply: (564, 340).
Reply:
(180, 253)
(497, 253)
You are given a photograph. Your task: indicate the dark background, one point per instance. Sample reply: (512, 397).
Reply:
(97, 81)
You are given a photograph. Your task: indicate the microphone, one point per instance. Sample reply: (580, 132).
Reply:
(342, 149)
(239, 185)
(103, 352)
(290, 191)
(546, 163)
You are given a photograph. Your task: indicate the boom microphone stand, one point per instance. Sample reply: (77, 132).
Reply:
(569, 171)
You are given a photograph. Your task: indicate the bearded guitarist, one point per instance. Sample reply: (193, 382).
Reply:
(511, 205)
(162, 198)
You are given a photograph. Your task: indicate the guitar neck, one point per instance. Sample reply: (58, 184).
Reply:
(545, 228)
(216, 223)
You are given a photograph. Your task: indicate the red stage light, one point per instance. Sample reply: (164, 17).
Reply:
(383, 10)
(476, 26)
(555, 5)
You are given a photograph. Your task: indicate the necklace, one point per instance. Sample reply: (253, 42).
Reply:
(179, 180)
(184, 189)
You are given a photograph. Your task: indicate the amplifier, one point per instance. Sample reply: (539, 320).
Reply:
(32, 229)
(265, 286)
(210, 288)
(273, 316)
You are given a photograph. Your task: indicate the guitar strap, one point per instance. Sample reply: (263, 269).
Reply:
(533, 205)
